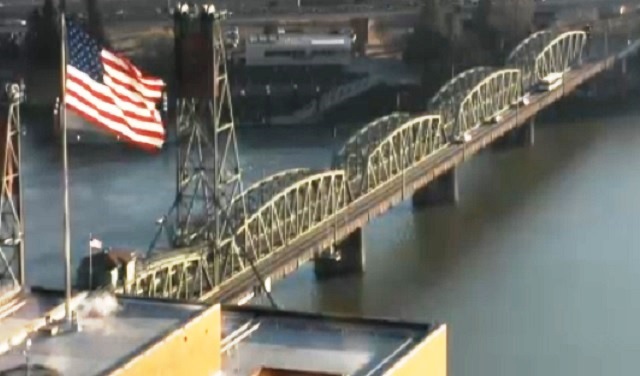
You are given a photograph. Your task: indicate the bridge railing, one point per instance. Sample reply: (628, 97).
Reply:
(489, 98)
(561, 54)
(386, 147)
(446, 102)
(183, 276)
(524, 55)
(353, 157)
(296, 210)
(255, 196)
(410, 143)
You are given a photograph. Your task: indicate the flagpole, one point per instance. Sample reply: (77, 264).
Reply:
(65, 162)
(90, 262)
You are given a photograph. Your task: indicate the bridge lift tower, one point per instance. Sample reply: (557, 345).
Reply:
(12, 270)
(208, 169)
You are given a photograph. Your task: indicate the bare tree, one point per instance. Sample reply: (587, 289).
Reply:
(429, 40)
(512, 18)
(433, 14)
(438, 46)
(95, 26)
(503, 23)
(468, 53)
(43, 36)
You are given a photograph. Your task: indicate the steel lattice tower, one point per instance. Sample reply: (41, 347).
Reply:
(11, 226)
(208, 170)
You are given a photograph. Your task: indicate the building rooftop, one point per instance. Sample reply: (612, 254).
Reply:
(117, 333)
(314, 343)
(105, 341)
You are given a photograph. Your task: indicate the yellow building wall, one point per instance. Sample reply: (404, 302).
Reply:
(192, 350)
(429, 358)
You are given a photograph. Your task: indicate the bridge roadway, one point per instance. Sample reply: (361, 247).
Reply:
(301, 213)
(366, 208)
(140, 21)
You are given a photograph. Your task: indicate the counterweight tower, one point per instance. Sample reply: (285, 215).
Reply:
(208, 181)
(12, 272)
(210, 202)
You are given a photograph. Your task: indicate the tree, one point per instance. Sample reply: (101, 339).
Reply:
(468, 53)
(502, 24)
(33, 21)
(95, 25)
(43, 37)
(431, 46)
(433, 14)
(429, 41)
(513, 18)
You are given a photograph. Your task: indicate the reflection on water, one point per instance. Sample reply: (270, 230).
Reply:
(535, 270)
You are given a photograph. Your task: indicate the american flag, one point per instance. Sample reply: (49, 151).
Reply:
(109, 91)
(95, 243)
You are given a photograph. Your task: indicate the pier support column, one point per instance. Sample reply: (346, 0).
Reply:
(345, 258)
(526, 134)
(523, 136)
(442, 190)
(622, 79)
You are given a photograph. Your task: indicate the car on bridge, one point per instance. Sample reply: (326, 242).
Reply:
(551, 82)
(462, 139)
(524, 100)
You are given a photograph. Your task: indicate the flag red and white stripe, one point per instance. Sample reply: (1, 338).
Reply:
(109, 91)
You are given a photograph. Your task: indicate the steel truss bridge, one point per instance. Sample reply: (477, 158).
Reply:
(289, 217)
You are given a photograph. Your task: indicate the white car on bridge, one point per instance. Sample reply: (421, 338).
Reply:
(551, 82)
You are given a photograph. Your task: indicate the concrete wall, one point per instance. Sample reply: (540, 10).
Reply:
(193, 349)
(429, 358)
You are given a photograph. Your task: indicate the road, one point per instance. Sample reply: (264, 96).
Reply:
(242, 11)
(150, 12)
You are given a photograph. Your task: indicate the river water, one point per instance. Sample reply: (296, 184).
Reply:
(535, 271)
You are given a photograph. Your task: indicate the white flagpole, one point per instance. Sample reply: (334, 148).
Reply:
(65, 163)
(90, 262)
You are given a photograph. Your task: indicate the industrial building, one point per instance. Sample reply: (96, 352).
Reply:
(127, 336)
(298, 49)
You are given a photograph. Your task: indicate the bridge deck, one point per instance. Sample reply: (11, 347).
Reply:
(369, 206)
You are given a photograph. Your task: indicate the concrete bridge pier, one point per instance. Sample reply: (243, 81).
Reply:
(442, 190)
(622, 79)
(527, 133)
(523, 136)
(344, 258)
